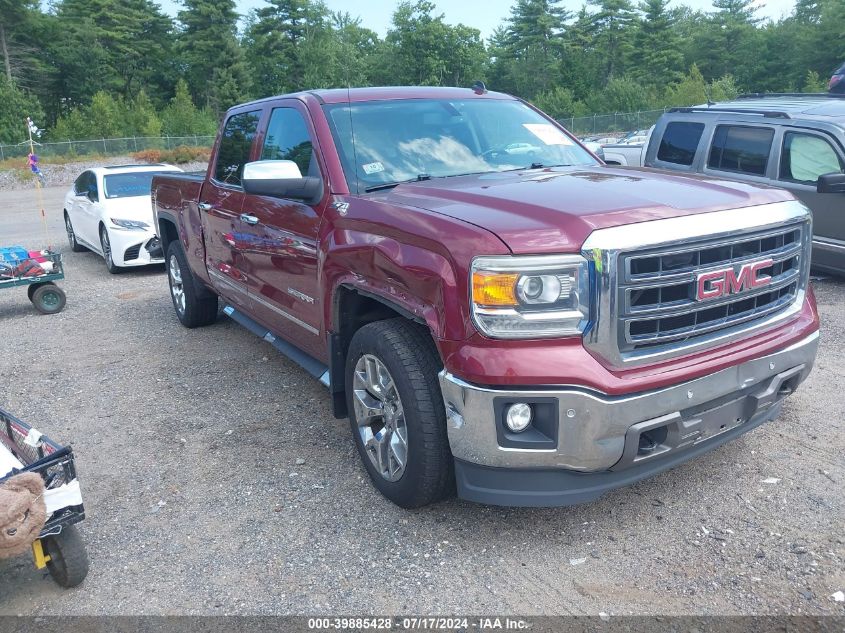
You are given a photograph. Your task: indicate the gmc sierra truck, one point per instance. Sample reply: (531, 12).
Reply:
(493, 308)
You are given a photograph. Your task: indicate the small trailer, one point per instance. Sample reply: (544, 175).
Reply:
(59, 547)
(38, 271)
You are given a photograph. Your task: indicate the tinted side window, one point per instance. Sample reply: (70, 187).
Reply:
(679, 142)
(742, 149)
(91, 184)
(79, 185)
(288, 139)
(235, 146)
(805, 157)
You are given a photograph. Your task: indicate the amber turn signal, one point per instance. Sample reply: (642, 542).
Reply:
(494, 289)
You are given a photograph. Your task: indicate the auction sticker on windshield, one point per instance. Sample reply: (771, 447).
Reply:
(372, 168)
(548, 133)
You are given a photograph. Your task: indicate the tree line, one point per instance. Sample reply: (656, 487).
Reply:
(103, 68)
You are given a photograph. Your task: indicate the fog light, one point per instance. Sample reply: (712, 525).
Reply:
(518, 417)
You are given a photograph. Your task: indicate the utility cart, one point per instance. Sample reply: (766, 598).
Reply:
(59, 546)
(38, 271)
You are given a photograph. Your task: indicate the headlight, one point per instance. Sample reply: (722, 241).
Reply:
(132, 225)
(530, 297)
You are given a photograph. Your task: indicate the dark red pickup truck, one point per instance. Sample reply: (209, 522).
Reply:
(489, 304)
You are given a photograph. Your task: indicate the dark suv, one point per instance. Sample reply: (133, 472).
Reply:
(792, 141)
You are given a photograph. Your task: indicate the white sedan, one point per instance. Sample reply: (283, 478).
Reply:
(108, 211)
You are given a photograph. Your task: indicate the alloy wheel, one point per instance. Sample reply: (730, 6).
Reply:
(71, 237)
(177, 287)
(380, 417)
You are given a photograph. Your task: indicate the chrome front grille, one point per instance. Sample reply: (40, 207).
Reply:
(658, 288)
(646, 303)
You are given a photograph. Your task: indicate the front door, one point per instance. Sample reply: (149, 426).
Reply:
(283, 252)
(220, 207)
(84, 219)
(804, 157)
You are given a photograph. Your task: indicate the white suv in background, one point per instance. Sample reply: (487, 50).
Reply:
(108, 211)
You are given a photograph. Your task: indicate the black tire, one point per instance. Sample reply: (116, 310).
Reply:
(408, 353)
(68, 564)
(30, 290)
(75, 246)
(197, 306)
(105, 245)
(48, 298)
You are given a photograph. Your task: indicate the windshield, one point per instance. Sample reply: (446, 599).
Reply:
(397, 141)
(128, 185)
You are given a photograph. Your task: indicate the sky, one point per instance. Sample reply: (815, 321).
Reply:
(485, 15)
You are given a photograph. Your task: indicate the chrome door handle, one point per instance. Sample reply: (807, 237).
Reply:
(246, 218)
(204, 206)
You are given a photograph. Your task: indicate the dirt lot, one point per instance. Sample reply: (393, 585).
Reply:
(217, 481)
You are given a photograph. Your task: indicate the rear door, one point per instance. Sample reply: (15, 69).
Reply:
(282, 252)
(805, 156)
(741, 151)
(220, 205)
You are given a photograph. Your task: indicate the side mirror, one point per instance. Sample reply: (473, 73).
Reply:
(831, 183)
(280, 179)
(92, 196)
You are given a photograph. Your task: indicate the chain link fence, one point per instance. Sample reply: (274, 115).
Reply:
(105, 146)
(611, 124)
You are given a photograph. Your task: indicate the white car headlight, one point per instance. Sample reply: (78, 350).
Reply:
(530, 296)
(131, 225)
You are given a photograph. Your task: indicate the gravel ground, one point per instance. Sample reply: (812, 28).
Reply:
(217, 482)
(64, 175)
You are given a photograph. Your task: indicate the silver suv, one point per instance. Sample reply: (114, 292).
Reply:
(792, 141)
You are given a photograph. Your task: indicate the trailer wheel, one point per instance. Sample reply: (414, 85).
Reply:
(48, 298)
(68, 564)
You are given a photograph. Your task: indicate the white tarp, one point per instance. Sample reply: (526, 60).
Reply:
(63, 497)
(7, 461)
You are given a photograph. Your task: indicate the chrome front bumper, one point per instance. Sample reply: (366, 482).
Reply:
(588, 431)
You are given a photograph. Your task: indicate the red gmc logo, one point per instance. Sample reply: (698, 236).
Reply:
(721, 283)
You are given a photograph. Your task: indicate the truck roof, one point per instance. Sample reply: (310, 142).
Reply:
(356, 95)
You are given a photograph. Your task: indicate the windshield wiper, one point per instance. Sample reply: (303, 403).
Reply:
(391, 185)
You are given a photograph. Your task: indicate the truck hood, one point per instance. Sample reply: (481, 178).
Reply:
(554, 210)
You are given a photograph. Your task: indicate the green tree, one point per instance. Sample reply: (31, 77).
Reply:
(182, 118)
(127, 41)
(214, 63)
(612, 34)
(416, 45)
(622, 95)
(15, 106)
(656, 58)
(280, 43)
(530, 48)
(141, 117)
(559, 103)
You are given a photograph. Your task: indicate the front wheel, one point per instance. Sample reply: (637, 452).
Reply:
(107, 252)
(194, 305)
(68, 564)
(397, 415)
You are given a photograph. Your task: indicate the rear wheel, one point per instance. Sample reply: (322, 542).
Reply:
(75, 246)
(68, 564)
(397, 415)
(195, 306)
(107, 252)
(48, 298)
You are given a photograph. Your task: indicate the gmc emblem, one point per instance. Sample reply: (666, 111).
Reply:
(721, 283)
